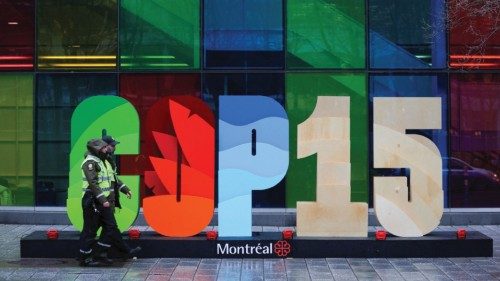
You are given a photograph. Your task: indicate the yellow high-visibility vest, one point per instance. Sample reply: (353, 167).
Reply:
(104, 176)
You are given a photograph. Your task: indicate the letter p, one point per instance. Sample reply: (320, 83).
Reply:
(253, 155)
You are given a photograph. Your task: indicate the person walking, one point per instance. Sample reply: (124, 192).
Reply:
(117, 186)
(98, 208)
(96, 185)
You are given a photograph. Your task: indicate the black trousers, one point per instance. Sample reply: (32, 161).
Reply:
(95, 216)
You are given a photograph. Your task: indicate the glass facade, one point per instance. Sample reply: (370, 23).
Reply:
(325, 34)
(475, 138)
(159, 34)
(17, 34)
(57, 96)
(407, 34)
(243, 34)
(474, 38)
(55, 53)
(78, 35)
(16, 139)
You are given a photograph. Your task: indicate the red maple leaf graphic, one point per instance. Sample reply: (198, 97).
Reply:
(196, 154)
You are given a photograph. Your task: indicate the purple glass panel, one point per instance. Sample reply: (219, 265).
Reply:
(475, 140)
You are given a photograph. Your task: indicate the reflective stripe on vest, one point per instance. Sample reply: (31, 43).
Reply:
(111, 171)
(100, 178)
(103, 189)
(103, 177)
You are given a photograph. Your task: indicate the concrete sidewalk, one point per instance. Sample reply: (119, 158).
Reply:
(14, 268)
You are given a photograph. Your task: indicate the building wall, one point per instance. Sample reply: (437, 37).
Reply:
(56, 53)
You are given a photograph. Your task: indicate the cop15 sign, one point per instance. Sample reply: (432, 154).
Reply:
(253, 154)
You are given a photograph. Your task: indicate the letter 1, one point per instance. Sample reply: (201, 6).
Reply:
(327, 133)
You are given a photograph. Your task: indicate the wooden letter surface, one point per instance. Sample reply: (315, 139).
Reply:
(395, 149)
(327, 133)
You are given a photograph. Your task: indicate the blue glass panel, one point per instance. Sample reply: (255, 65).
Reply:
(56, 97)
(264, 84)
(242, 33)
(414, 86)
(407, 34)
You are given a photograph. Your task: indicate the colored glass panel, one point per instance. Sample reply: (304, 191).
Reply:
(17, 34)
(302, 93)
(474, 38)
(144, 91)
(325, 34)
(243, 34)
(475, 140)
(159, 34)
(407, 34)
(268, 84)
(16, 140)
(77, 34)
(414, 86)
(57, 96)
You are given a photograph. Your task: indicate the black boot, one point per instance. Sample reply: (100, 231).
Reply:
(102, 257)
(88, 260)
(134, 251)
(130, 253)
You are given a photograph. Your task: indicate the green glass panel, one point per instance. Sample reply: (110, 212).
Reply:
(88, 121)
(77, 34)
(160, 34)
(302, 91)
(16, 139)
(325, 34)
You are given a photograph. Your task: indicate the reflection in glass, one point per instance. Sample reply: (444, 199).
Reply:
(244, 34)
(17, 29)
(475, 140)
(407, 34)
(77, 34)
(474, 36)
(325, 34)
(16, 139)
(143, 91)
(159, 34)
(414, 86)
(264, 84)
(57, 97)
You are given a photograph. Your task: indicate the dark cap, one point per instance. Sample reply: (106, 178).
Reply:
(96, 144)
(110, 140)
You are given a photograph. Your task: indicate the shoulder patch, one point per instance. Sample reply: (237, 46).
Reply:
(90, 166)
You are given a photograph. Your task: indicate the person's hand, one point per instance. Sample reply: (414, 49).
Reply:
(105, 204)
(129, 195)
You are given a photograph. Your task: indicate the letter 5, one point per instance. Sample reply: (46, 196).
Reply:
(403, 212)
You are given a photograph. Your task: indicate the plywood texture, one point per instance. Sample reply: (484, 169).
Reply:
(327, 133)
(395, 149)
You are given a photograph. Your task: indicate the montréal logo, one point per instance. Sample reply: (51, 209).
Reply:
(281, 248)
